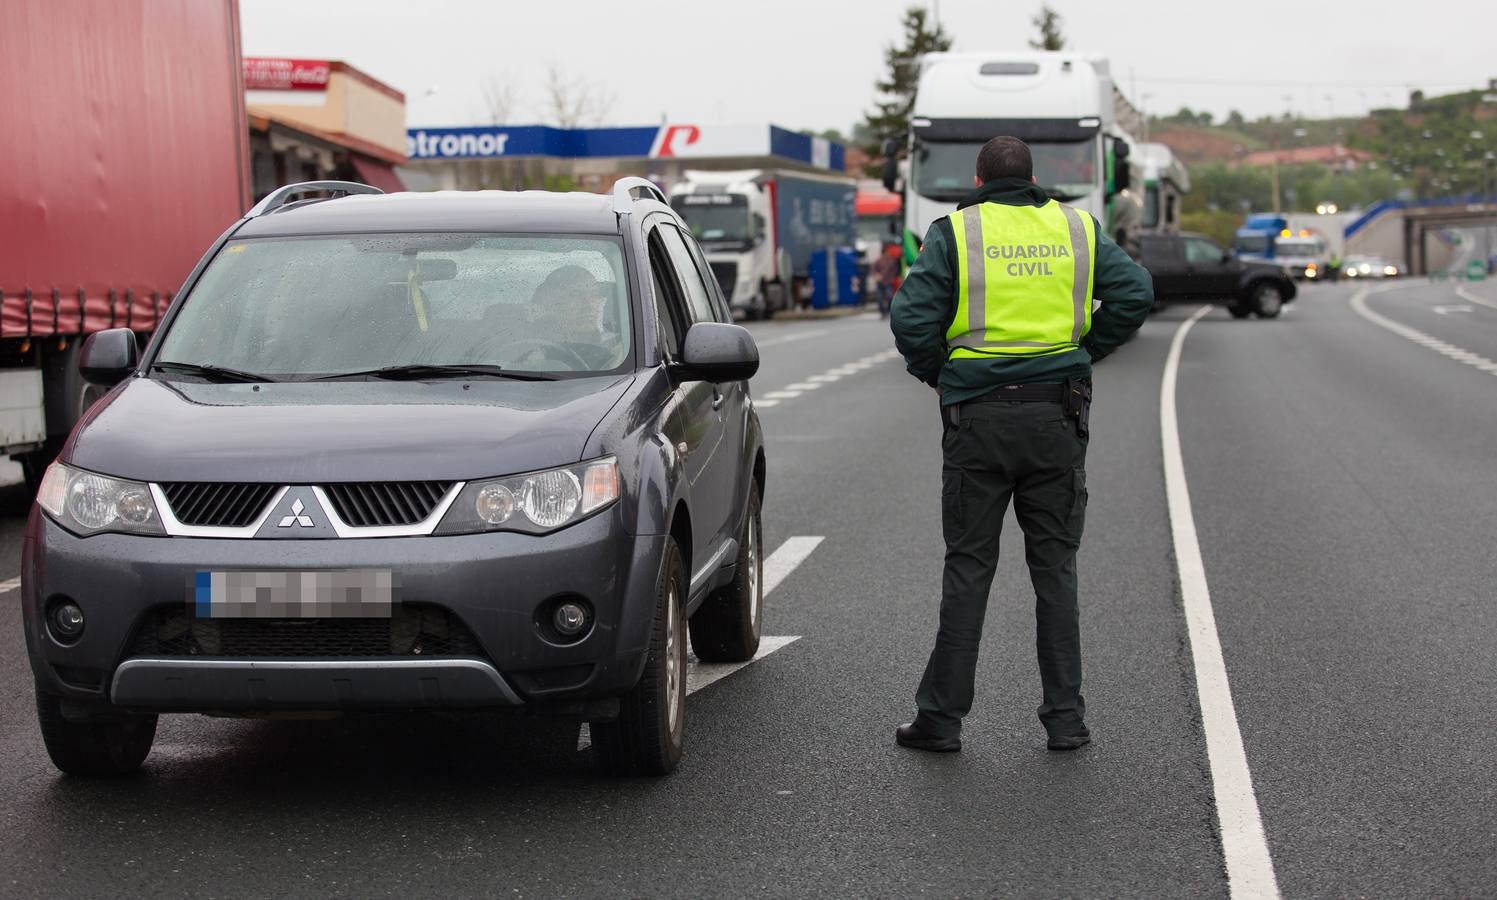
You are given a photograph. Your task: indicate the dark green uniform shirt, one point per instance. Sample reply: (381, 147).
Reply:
(926, 302)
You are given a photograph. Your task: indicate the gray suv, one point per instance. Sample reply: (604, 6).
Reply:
(446, 451)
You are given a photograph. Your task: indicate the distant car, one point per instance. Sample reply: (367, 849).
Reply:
(1369, 267)
(448, 451)
(1190, 267)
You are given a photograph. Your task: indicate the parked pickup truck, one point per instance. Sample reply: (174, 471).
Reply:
(1189, 267)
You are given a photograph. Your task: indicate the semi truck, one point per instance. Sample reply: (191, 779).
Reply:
(1166, 182)
(118, 169)
(760, 229)
(1065, 106)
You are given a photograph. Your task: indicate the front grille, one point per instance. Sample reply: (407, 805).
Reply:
(412, 630)
(218, 505)
(727, 275)
(374, 503)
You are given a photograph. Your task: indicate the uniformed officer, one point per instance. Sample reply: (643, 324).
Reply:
(997, 315)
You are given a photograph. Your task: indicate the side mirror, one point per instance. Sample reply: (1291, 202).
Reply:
(1122, 173)
(718, 352)
(891, 174)
(759, 233)
(108, 357)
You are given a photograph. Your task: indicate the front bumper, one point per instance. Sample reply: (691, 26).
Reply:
(492, 584)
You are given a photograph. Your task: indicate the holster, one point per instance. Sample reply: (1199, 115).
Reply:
(1076, 400)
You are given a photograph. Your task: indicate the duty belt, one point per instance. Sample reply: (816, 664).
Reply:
(1042, 392)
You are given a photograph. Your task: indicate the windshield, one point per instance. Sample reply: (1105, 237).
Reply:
(1151, 206)
(305, 307)
(943, 171)
(1252, 243)
(715, 217)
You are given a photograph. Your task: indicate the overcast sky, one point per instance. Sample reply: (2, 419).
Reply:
(812, 64)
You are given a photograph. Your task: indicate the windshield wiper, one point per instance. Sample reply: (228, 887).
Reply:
(210, 372)
(419, 371)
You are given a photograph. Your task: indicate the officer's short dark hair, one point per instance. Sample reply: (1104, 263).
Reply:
(1004, 157)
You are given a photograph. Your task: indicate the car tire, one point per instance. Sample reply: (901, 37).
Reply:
(727, 627)
(649, 734)
(1239, 310)
(108, 747)
(1268, 301)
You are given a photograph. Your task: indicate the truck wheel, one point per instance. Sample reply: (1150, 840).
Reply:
(112, 747)
(727, 627)
(648, 736)
(1267, 301)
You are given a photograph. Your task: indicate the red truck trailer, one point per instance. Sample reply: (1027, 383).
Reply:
(124, 156)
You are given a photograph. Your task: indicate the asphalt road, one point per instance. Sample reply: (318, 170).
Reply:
(1343, 491)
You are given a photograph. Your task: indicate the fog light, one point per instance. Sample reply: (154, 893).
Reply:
(66, 621)
(570, 619)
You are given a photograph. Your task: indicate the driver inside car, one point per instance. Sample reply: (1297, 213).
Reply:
(569, 308)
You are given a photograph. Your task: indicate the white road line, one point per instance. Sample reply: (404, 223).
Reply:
(1474, 298)
(10, 585)
(765, 403)
(700, 674)
(782, 395)
(1245, 847)
(1429, 342)
(802, 386)
(777, 566)
(798, 336)
(827, 378)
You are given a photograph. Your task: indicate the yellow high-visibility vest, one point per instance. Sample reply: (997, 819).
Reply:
(1024, 276)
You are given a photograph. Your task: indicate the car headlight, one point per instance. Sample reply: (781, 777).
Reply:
(1390, 270)
(537, 503)
(86, 503)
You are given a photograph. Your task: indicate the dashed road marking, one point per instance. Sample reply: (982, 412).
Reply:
(1244, 846)
(782, 395)
(777, 567)
(1427, 341)
(10, 584)
(798, 336)
(830, 376)
(802, 386)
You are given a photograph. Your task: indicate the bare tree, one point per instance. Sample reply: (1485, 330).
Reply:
(499, 98)
(574, 100)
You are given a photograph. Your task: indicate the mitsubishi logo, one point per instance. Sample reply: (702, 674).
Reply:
(296, 518)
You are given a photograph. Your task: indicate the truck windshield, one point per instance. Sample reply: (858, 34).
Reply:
(308, 307)
(715, 218)
(1252, 243)
(943, 171)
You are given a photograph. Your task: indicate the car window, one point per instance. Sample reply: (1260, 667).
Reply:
(309, 307)
(1197, 251)
(670, 306)
(714, 290)
(697, 298)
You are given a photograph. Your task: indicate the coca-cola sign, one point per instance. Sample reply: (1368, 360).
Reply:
(264, 73)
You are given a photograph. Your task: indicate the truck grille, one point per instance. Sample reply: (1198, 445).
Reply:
(727, 276)
(375, 503)
(412, 630)
(217, 505)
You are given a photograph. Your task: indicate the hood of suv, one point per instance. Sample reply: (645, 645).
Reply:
(308, 433)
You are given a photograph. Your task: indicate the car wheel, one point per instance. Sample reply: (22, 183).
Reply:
(1239, 310)
(1267, 301)
(727, 627)
(649, 734)
(110, 747)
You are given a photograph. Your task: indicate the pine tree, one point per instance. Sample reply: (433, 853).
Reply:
(1048, 22)
(890, 118)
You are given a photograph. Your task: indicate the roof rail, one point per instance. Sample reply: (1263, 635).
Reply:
(282, 196)
(623, 192)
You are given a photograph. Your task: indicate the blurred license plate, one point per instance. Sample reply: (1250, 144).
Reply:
(364, 594)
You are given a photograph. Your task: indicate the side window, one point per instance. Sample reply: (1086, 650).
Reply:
(696, 288)
(714, 289)
(1202, 252)
(670, 308)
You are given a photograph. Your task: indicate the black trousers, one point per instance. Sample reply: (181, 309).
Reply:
(1031, 454)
